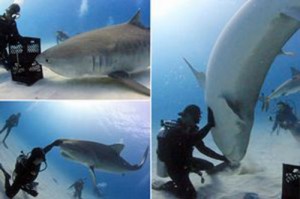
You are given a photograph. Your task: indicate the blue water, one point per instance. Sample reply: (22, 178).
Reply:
(105, 122)
(43, 18)
(190, 29)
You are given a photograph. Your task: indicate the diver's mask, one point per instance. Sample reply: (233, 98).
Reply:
(16, 16)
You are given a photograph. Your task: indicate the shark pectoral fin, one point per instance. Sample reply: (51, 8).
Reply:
(65, 155)
(292, 13)
(200, 76)
(235, 106)
(117, 147)
(92, 173)
(123, 77)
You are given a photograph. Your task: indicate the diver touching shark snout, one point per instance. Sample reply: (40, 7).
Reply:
(27, 169)
(176, 142)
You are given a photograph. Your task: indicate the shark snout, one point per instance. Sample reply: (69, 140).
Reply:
(41, 59)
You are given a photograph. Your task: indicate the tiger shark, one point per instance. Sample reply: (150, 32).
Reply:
(114, 51)
(286, 88)
(98, 156)
(237, 67)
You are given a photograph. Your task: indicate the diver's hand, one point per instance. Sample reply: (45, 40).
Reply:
(210, 118)
(57, 142)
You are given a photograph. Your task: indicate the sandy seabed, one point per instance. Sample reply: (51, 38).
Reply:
(260, 173)
(54, 86)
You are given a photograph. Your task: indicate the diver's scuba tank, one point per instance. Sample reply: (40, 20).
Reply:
(166, 125)
(20, 164)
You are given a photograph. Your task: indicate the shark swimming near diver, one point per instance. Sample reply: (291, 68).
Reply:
(238, 65)
(98, 156)
(115, 51)
(288, 87)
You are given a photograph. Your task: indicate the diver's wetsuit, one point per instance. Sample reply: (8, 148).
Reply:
(285, 118)
(78, 185)
(180, 142)
(9, 34)
(29, 174)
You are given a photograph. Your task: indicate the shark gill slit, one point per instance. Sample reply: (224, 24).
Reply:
(94, 63)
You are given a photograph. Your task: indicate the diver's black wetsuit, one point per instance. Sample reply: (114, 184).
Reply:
(78, 186)
(11, 122)
(285, 118)
(29, 173)
(9, 34)
(180, 142)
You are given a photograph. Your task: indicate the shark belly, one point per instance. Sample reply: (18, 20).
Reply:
(237, 68)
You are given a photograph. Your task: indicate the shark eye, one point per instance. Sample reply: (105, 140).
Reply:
(47, 60)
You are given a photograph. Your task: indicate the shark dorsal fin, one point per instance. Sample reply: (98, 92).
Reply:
(295, 72)
(117, 147)
(136, 19)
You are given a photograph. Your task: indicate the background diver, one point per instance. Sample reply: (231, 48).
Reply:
(9, 33)
(61, 36)
(78, 187)
(11, 122)
(285, 117)
(26, 171)
(175, 149)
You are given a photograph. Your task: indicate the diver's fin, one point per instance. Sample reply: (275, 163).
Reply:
(292, 13)
(117, 147)
(287, 53)
(138, 166)
(200, 76)
(5, 145)
(136, 19)
(92, 173)
(295, 72)
(124, 78)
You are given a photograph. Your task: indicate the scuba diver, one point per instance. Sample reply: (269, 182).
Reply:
(175, 149)
(285, 118)
(9, 33)
(78, 186)
(26, 171)
(11, 122)
(61, 36)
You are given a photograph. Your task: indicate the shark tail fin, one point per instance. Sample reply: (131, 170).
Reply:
(138, 166)
(200, 76)
(265, 102)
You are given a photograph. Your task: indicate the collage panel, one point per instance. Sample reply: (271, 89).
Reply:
(74, 149)
(79, 49)
(225, 99)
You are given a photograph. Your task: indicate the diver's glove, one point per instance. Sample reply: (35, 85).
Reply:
(210, 118)
(57, 142)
